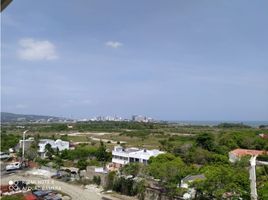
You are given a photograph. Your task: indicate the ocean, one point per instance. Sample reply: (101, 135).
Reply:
(214, 123)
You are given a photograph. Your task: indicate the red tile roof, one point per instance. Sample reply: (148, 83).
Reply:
(264, 136)
(244, 152)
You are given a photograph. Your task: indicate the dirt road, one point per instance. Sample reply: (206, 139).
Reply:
(74, 191)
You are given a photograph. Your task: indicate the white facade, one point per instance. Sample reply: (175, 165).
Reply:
(26, 141)
(58, 144)
(140, 118)
(233, 157)
(123, 156)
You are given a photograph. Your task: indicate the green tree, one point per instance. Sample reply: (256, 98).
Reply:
(206, 141)
(197, 155)
(102, 154)
(64, 137)
(124, 186)
(58, 162)
(49, 151)
(31, 153)
(263, 191)
(228, 141)
(13, 197)
(97, 180)
(166, 145)
(141, 188)
(110, 180)
(131, 169)
(9, 141)
(222, 179)
(82, 164)
(169, 169)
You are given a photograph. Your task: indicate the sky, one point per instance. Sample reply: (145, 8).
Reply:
(170, 60)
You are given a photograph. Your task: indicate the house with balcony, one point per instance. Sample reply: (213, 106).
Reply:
(122, 156)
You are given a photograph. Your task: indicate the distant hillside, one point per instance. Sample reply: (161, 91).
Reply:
(11, 117)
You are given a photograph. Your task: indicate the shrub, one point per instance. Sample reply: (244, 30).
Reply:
(97, 180)
(263, 158)
(110, 180)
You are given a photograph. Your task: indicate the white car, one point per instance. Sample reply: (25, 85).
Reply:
(13, 166)
(4, 155)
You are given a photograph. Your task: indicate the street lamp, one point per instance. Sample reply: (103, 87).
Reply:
(23, 144)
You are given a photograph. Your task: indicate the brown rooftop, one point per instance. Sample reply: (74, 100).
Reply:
(244, 152)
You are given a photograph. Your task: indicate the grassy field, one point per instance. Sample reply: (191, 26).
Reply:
(147, 135)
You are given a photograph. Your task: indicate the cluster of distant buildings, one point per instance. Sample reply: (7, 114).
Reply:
(107, 118)
(10, 117)
(140, 118)
(43, 120)
(134, 118)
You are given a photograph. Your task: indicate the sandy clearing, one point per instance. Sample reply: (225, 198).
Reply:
(89, 133)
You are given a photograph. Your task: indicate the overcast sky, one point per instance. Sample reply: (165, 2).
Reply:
(172, 60)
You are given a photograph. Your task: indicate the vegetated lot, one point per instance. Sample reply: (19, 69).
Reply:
(190, 150)
(133, 133)
(148, 135)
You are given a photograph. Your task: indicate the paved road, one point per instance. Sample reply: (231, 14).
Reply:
(74, 191)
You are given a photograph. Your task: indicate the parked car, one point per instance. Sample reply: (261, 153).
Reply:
(56, 176)
(65, 178)
(13, 166)
(4, 155)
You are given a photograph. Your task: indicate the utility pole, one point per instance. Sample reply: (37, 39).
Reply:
(252, 178)
(23, 144)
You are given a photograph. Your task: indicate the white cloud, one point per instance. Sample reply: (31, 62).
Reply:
(31, 49)
(113, 44)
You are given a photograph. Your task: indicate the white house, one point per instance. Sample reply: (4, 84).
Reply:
(57, 144)
(122, 156)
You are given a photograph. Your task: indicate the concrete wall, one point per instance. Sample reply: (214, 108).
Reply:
(156, 194)
(89, 173)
